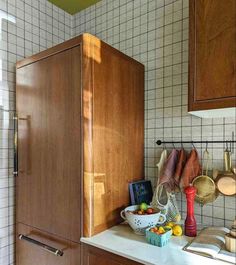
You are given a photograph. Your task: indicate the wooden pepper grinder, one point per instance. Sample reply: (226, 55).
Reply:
(190, 221)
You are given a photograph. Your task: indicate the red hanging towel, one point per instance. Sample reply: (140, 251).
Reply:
(167, 177)
(191, 170)
(182, 157)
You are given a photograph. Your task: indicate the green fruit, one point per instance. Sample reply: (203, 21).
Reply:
(143, 206)
(168, 228)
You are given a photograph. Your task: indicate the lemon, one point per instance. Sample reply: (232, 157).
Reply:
(177, 230)
(170, 224)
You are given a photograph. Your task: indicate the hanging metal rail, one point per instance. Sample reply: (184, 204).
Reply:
(160, 142)
(229, 143)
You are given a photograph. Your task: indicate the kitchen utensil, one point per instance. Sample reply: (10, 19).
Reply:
(226, 181)
(139, 223)
(230, 243)
(233, 231)
(226, 184)
(190, 221)
(227, 160)
(158, 240)
(205, 186)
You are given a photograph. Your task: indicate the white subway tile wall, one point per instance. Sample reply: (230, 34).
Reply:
(26, 27)
(155, 32)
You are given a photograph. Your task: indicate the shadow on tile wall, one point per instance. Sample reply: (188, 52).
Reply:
(155, 32)
(26, 27)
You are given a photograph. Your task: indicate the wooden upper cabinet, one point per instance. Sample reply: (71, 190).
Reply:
(212, 62)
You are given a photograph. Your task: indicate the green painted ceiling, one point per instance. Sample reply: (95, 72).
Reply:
(73, 6)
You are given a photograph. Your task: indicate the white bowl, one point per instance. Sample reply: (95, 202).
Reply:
(140, 223)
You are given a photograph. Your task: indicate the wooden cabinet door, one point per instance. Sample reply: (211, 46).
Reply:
(212, 54)
(28, 253)
(49, 131)
(95, 256)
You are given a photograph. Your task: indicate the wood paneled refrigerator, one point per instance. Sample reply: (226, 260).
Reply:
(80, 119)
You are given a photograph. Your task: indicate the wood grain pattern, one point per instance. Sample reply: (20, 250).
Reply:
(212, 50)
(95, 256)
(51, 51)
(28, 253)
(49, 194)
(87, 137)
(91, 123)
(116, 115)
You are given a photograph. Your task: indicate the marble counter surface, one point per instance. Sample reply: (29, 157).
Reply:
(122, 241)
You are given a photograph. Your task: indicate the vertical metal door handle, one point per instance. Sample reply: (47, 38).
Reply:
(52, 250)
(15, 119)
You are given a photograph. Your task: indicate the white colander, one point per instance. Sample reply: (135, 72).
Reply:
(140, 223)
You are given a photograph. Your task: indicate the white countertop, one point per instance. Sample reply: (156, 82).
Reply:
(122, 241)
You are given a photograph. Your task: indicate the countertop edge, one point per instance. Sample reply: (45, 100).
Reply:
(122, 241)
(86, 240)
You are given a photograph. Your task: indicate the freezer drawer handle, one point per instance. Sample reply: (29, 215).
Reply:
(54, 251)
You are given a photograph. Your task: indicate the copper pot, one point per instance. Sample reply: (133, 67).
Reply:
(226, 181)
